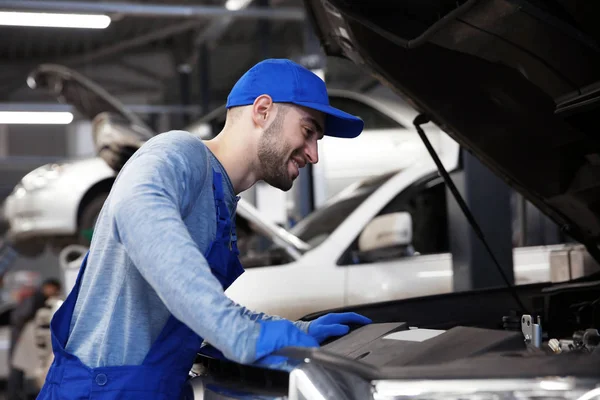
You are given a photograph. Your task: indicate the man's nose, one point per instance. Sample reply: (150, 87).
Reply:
(311, 152)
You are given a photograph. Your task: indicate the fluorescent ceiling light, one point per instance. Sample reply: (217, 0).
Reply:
(37, 118)
(14, 18)
(234, 5)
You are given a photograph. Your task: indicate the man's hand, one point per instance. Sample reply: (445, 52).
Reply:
(334, 325)
(275, 335)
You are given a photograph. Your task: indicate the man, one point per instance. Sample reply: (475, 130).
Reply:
(23, 313)
(151, 288)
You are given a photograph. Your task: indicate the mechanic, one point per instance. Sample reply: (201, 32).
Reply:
(151, 288)
(20, 348)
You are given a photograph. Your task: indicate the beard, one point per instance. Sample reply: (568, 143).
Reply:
(274, 156)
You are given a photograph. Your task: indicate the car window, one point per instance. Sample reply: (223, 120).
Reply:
(325, 221)
(256, 249)
(322, 222)
(426, 203)
(373, 118)
(427, 207)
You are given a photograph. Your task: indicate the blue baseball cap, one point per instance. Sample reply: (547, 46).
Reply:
(288, 82)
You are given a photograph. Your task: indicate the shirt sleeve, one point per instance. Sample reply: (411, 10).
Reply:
(147, 203)
(260, 316)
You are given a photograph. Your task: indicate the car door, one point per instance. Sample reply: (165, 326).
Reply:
(384, 145)
(399, 275)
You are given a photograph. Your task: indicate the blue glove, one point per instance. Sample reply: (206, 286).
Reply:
(334, 325)
(275, 335)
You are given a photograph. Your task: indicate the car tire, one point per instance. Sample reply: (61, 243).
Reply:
(88, 217)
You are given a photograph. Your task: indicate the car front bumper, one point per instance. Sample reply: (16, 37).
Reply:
(38, 214)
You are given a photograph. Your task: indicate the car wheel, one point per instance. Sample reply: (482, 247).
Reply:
(88, 218)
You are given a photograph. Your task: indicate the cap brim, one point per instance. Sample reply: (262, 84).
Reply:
(337, 122)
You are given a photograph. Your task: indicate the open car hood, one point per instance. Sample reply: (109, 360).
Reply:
(515, 82)
(117, 131)
(89, 98)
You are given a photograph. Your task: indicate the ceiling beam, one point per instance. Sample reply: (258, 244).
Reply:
(212, 34)
(146, 73)
(125, 45)
(110, 84)
(155, 10)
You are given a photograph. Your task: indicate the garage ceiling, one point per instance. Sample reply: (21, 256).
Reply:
(140, 57)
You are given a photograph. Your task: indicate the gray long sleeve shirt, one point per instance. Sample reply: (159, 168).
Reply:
(146, 260)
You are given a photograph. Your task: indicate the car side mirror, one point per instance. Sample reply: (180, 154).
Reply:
(386, 236)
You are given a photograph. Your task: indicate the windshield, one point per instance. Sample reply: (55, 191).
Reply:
(315, 228)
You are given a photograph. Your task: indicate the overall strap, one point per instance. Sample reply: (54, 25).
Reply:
(223, 217)
(234, 247)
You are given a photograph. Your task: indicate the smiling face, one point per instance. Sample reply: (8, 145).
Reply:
(289, 143)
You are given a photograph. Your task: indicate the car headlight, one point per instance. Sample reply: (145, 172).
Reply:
(488, 389)
(40, 177)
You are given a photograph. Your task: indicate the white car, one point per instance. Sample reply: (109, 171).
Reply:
(37, 219)
(57, 204)
(382, 239)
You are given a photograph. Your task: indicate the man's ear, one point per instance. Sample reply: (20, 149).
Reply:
(262, 110)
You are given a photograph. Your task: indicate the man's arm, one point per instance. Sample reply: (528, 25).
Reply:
(260, 316)
(147, 202)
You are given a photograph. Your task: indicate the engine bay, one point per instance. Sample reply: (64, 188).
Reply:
(559, 338)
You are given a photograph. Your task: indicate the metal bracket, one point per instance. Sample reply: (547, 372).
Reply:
(532, 331)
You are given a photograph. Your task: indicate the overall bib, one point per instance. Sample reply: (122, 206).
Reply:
(165, 369)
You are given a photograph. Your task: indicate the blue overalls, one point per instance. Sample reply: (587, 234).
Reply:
(165, 369)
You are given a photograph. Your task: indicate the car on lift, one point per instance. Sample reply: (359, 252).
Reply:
(515, 83)
(36, 220)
